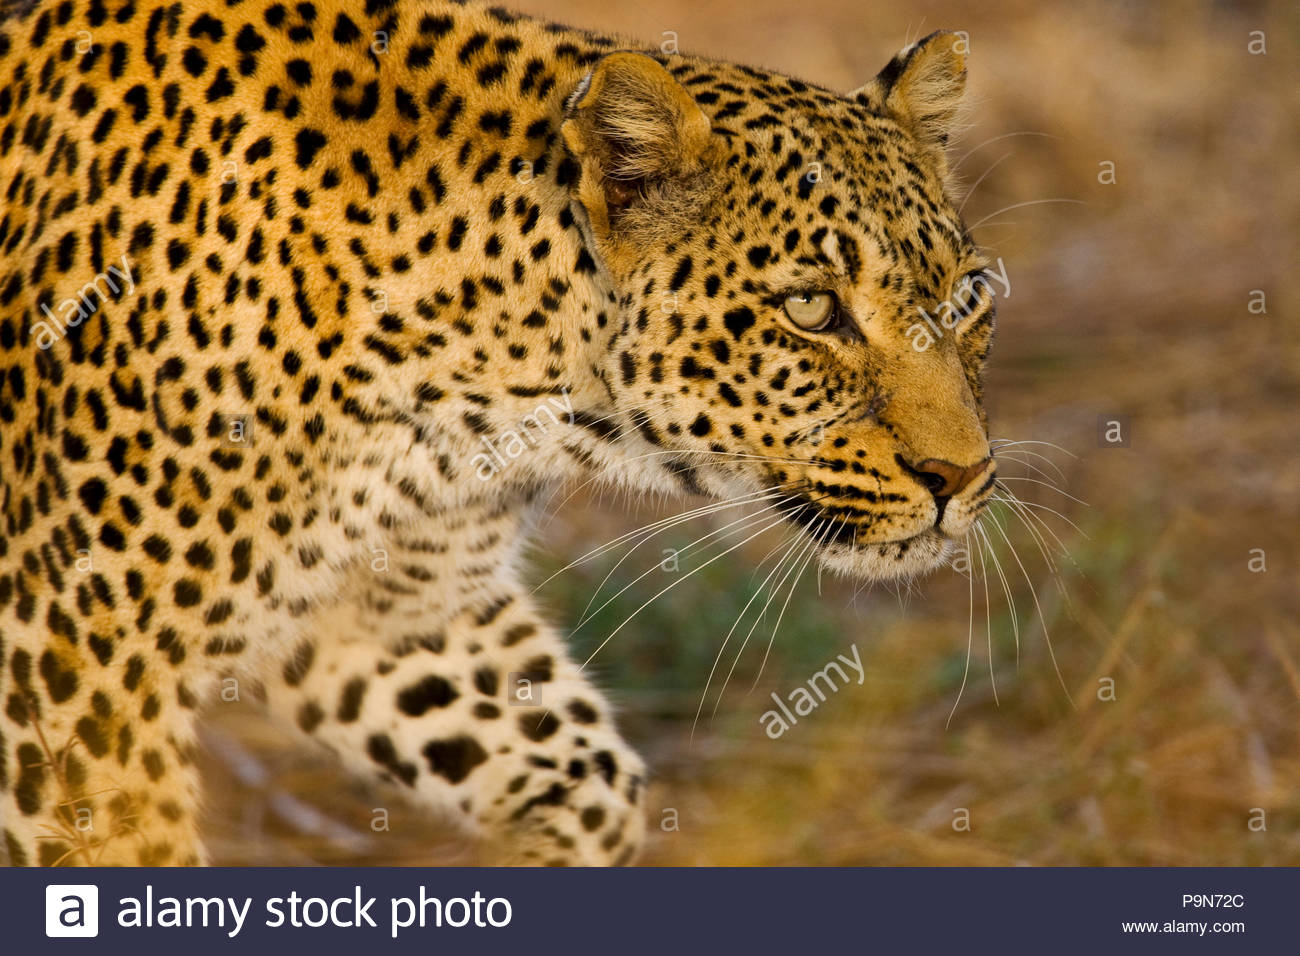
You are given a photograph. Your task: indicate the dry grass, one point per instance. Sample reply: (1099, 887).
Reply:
(1134, 303)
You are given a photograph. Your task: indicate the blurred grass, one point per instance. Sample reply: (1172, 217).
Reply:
(1134, 303)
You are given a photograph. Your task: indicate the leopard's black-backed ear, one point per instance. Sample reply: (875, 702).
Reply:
(637, 133)
(922, 87)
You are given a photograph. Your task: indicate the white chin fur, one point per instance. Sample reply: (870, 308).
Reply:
(887, 562)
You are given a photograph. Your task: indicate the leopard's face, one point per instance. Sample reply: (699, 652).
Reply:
(815, 328)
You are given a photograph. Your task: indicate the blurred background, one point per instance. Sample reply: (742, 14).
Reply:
(1134, 166)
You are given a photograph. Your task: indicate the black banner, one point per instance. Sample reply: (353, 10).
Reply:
(652, 910)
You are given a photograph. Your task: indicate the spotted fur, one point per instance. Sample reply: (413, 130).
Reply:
(325, 258)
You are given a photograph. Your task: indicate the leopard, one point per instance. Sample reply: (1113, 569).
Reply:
(308, 308)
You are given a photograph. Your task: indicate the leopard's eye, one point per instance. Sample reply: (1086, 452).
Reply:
(810, 310)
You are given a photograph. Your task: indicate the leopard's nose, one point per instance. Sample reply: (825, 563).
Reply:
(943, 478)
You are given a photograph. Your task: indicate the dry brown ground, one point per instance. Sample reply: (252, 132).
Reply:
(1132, 302)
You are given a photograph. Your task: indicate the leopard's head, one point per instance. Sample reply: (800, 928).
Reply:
(802, 310)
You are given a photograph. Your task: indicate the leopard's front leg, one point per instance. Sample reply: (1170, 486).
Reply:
(487, 718)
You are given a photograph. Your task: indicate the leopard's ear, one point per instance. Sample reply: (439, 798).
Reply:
(922, 87)
(636, 132)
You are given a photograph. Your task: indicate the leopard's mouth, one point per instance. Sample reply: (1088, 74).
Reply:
(843, 546)
(827, 524)
(890, 560)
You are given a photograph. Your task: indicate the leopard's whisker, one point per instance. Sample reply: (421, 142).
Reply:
(1013, 457)
(1004, 446)
(809, 545)
(970, 636)
(785, 539)
(1038, 527)
(1039, 530)
(659, 523)
(749, 520)
(1044, 550)
(762, 665)
(995, 139)
(1021, 205)
(988, 612)
(1045, 484)
(1006, 587)
(983, 176)
(688, 574)
(582, 617)
(1039, 608)
(1042, 507)
(1034, 441)
(602, 481)
(740, 617)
